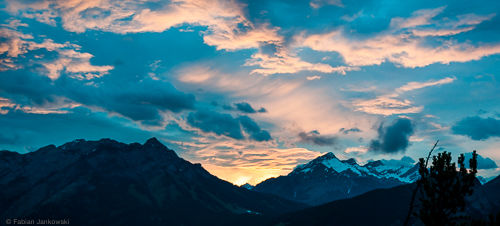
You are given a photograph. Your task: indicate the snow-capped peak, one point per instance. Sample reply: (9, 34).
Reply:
(403, 170)
(330, 161)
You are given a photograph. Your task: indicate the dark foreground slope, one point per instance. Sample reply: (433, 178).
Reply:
(389, 207)
(111, 183)
(492, 191)
(378, 207)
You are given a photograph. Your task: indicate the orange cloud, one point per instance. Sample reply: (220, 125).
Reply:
(313, 77)
(227, 26)
(403, 44)
(391, 104)
(292, 105)
(7, 105)
(247, 162)
(283, 62)
(70, 60)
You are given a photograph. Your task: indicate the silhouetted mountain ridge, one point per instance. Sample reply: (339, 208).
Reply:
(106, 182)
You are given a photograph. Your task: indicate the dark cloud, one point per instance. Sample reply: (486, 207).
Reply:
(225, 124)
(315, 138)
(251, 127)
(218, 123)
(138, 100)
(393, 138)
(144, 100)
(482, 163)
(227, 107)
(477, 128)
(351, 130)
(247, 108)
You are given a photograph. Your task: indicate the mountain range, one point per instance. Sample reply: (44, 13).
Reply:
(106, 182)
(328, 178)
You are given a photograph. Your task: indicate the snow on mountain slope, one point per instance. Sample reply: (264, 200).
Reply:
(403, 170)
(328, 178)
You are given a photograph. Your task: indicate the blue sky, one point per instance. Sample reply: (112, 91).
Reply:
(252, 88)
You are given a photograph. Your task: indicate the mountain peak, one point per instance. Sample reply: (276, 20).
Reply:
(247, 186)
(350, 161)
(153, 142)
(315, 162)
(375, 163)
(328, 156)
(82, 146)
(155, 145)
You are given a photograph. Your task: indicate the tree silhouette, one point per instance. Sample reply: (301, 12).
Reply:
(443, 189)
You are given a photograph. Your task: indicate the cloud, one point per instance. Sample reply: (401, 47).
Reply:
(247, 108)
(316, 4)
(393, 138)
(392, 104)
(253, 129)
(419, 85)
(143, 101)
(418, 23)
(225, 124)
(76, 64)
(283, 62)
(314, 137)
(253, 38)
(128, 16)
(351, 130)
(482, 163)
(56, 107)
(5, 105)
(218, 123)
(233, 162)
(290, 103)
(227, 26)
(477, 128)
(405, 42)
(356, 150)
(384, 105)
(418, 18)
(313, 77)
(16, 46)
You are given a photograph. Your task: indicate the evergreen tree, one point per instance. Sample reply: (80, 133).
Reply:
(443, 189)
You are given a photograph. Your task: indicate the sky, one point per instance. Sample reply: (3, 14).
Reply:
(250, 89)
